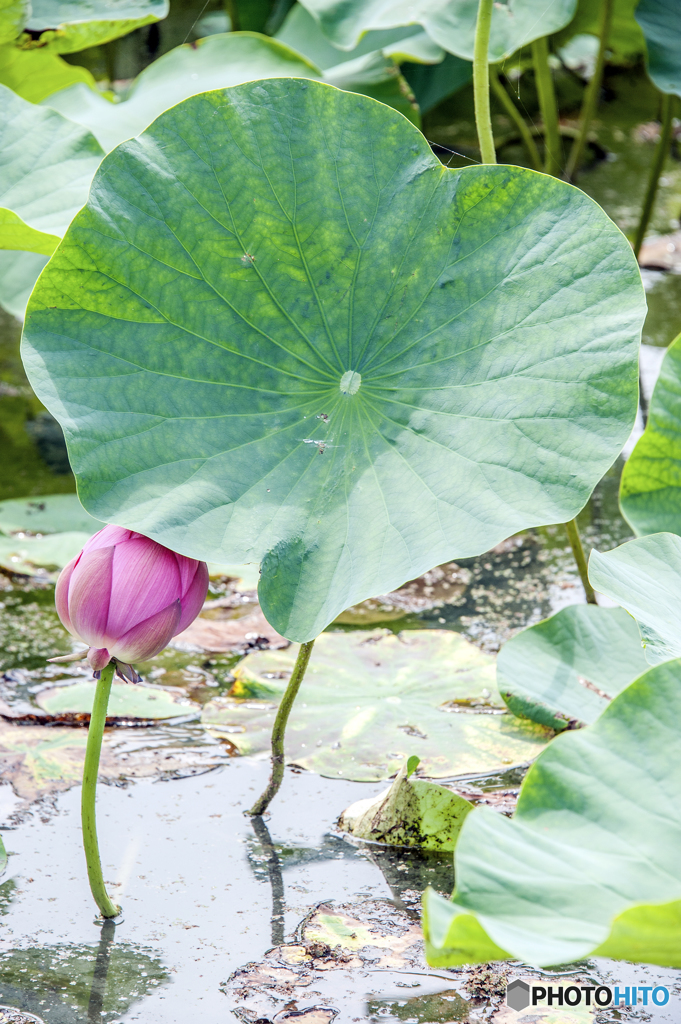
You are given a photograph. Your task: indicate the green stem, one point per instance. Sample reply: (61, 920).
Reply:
(591, 94)
(580, 558)
(548, 106)
(661, 153)
(279, 728)
(515, 115)
(89, 792)
(483, 119)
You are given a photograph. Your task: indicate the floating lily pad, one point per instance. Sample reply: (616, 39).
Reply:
(369, 701)
(451, 25)
(52, 513)
(126, 701)
(26, 554)
(650, 492)
(589, 865)
(412, 812)
(332, 459)
(644, 576)
(566, 669)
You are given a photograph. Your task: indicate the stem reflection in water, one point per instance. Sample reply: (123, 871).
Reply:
(98, 988)
(276, 879)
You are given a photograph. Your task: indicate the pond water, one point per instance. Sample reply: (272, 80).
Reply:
(205, 890)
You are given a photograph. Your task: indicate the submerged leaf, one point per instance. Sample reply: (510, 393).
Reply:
(335, 358)
(650, 492)
(592, 849)
(370, 701)
(567, 669)
(126, 701)
(411, 812)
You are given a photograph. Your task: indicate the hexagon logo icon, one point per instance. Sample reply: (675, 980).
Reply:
(518, 994)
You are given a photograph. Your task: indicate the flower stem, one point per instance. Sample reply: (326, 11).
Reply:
(547, 103)
(483, 119)
(279, 728)
(661, 153)
(591, 94)
(580, 558)
(517, 118)
(89, 792)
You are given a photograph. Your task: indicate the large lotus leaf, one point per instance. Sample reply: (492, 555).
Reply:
(625, 39)
(218, 61)
(13, 15)
(644, 576)
(568, 668)
(52, 513)
(126, 701)
(370, 701)
(349, 364)
(650, 492)
(451, 25)
(36, 74)
(595, 838)
(302, 32)
(46, 166)
(19, 272)
(70, 25)
(661, 24)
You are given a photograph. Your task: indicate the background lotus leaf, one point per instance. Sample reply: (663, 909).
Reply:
(661, 24)
(644, 576)
(349, 364)
(26, 554)
(53, 513)
(451, 25)
(625, 39)
(566, 669)
(19, 272)
(71, 25)
(370, 701)
(592, 848)
(36, 74)
(46, 166)
(13, 15)
(126, 701)
(650, 492)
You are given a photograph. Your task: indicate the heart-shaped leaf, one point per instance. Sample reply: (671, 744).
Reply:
(67, 26)
(370, 701)
(350, 364)
(568, 668)
(644, 576)
(594, 844)
(46, 166)
(661, 24)
(650, 492)
(451, 25)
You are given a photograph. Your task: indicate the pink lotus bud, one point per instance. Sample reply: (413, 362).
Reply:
(127, 596)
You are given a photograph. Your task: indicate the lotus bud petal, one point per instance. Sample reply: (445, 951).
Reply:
(127, 596)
